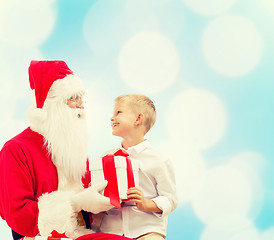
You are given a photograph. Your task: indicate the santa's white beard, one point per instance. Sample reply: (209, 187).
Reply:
(65, 132)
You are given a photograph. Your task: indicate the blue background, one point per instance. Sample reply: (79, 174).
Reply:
(208, 67)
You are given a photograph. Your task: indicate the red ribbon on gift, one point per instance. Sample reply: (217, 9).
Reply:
(130, 176)
(87, 176)
(111, 190)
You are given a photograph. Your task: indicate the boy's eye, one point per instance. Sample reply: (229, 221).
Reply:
(119, 112)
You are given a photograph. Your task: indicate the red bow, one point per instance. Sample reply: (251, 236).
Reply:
(111, 190)
(57, 235)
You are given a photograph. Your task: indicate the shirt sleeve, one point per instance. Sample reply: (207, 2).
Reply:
(18, 205)
(167, 199)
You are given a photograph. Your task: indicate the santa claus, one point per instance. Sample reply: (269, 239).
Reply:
(44, 173)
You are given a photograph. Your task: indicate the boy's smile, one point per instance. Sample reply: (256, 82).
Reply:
(113, 125)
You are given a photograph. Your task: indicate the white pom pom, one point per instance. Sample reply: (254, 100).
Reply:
(36, 117)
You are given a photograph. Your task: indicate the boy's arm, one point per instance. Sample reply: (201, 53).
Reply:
(167, 199)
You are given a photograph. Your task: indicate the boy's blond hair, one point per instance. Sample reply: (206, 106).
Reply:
(140, 104)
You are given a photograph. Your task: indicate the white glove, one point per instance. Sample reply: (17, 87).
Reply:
(91, 200)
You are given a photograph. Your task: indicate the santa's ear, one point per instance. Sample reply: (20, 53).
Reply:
(139, 119)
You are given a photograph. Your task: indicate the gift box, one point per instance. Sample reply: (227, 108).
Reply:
(120, 171)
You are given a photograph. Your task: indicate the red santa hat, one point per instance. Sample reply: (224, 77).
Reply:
(44, 75)
(50, 80)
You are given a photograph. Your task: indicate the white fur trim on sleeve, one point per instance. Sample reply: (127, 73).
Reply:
(56, 213)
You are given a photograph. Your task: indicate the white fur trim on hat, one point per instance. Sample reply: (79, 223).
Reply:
(66, 87)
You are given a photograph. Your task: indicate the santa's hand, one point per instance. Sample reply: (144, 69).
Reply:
(91, 200)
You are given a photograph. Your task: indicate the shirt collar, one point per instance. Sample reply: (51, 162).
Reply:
(137, 148)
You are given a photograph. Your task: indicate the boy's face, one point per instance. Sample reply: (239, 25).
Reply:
(123, 119)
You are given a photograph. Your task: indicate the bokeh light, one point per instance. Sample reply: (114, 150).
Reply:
(209, 7)
(232, 45)
(149, 62)
(251, 165)
(35, 17)
(250, 234)
(158, 16)
(196, 118)
(224, 191)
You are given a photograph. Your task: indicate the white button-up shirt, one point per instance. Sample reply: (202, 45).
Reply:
(157, 181)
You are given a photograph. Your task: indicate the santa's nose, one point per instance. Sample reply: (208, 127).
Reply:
(80, 105)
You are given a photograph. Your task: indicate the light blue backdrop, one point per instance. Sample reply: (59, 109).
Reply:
(207, 65)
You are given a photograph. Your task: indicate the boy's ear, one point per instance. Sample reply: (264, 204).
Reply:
(139, 119)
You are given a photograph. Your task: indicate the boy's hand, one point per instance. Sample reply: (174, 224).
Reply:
(136, 195)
